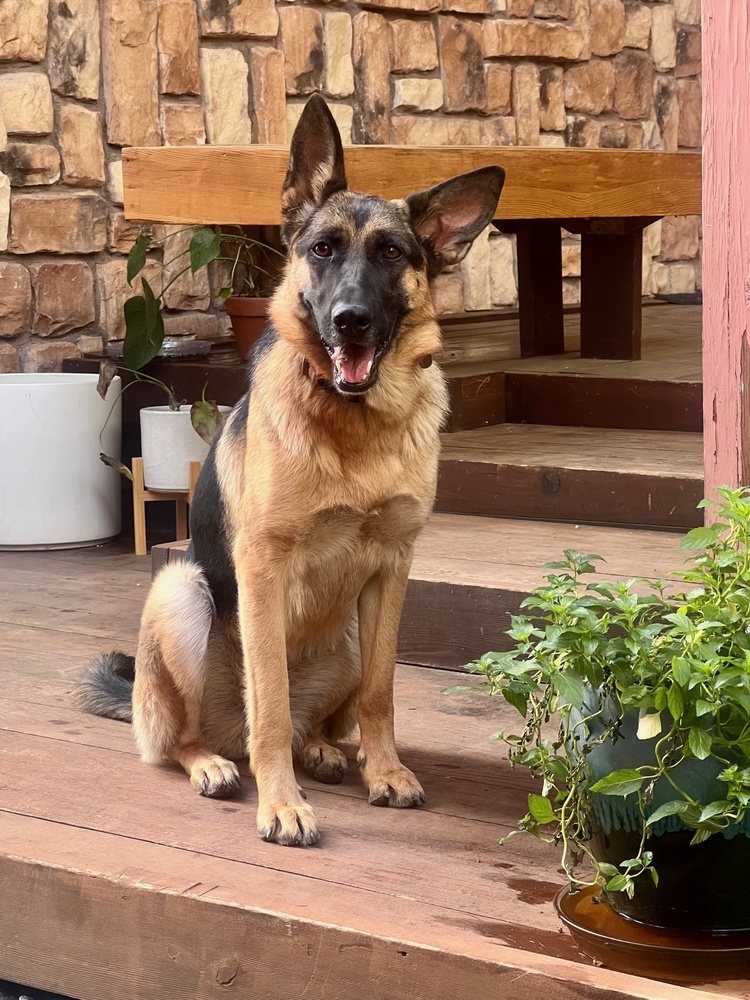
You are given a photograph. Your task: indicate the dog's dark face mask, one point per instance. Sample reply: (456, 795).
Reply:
(357, 250)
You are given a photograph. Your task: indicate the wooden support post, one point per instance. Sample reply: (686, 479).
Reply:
(611, 269)
(726, 244)
(139, 508)
(142, 496)
(539, 285)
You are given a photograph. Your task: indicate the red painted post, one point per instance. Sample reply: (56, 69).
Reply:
(726, 242)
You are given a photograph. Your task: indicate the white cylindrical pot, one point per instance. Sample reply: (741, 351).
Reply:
(54, 490)
(169, 444)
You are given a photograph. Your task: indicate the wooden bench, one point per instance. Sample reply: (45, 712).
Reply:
(608, 196)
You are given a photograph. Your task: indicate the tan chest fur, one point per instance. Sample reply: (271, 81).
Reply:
(328, 495)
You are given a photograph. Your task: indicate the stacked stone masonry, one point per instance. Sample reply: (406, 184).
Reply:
(81, 79)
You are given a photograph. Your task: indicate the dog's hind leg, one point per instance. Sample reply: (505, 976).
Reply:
(322, 760)
(170, 674)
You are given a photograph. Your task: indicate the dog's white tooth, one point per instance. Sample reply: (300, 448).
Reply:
(369, 367)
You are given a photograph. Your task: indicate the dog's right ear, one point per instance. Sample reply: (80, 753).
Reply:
(316, 165)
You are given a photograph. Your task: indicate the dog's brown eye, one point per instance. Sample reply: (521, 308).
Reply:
(392, 253)
(321, 250)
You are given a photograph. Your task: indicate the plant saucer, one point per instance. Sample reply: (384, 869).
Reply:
(627, 946)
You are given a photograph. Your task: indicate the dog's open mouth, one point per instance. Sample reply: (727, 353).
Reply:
(355, 366)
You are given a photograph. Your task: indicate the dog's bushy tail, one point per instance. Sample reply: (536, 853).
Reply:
(106, 686)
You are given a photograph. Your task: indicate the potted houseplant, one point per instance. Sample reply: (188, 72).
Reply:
(252, 266)
(635, 698)
(172, 435)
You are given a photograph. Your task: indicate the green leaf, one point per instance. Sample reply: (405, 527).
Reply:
(224, 293)
(206, 418)
(144, 328)
(516, 698)
(714, 809)
(570, 686)
(117, 466)
(699, 743)
(618, 883)
(700, 836)
(675, 701)
(677, 807)
(702, 707)
(205, 246)
(654, 876)
(137, 257)
(619, 783)
(681, 670)
(606, 869)
(698, 538)
(541, 809)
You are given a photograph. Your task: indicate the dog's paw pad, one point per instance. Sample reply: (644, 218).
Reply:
(324, 763)
(288, 825)
(397, 788)
(216, 778)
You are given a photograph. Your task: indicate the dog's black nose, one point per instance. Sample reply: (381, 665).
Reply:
(352, 320)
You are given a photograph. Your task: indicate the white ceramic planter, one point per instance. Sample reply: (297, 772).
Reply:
(54, 490)
(168, 446)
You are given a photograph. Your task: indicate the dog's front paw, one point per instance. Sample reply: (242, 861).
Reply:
(395, 787)
(289, 824)
(215, 777)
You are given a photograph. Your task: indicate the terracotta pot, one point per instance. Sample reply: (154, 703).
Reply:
(249, 317)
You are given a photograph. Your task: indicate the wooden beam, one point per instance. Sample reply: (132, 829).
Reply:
(241, 184)
(726, 244)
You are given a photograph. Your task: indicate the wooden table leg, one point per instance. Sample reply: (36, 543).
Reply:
(139, 508)
(181, 519)
(540, 304)
(611, 276)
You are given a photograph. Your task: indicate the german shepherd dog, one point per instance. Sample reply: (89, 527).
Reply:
(278, 632)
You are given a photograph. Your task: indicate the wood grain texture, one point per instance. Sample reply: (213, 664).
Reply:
(726, 248)
(539, 254)
(242, 185)
(599, 476)
(593, 401)
(611, 279)
(116, 880)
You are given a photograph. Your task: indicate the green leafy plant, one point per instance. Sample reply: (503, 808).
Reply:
(590, 653)
(251, 274)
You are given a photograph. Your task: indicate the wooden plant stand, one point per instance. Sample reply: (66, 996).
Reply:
(141, 496)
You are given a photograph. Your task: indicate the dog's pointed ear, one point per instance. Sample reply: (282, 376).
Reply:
(316, 163)
(448, 217)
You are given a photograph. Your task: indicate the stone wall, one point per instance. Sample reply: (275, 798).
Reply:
(80, 79)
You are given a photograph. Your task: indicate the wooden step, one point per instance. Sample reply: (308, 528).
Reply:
(471, 573)
(490, 384)
(581, 474)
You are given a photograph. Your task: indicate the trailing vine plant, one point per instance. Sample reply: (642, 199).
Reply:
(588, 652)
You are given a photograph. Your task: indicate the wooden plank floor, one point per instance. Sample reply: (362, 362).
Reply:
(671, 348)
(117, 880)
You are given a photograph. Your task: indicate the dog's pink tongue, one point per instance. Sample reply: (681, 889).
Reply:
(353, 362)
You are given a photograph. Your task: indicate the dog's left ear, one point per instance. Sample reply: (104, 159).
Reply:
(316, 164)
(450, 216)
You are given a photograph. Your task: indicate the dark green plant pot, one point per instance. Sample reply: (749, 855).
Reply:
(701, 888)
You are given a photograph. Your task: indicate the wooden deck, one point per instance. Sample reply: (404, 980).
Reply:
(117, 881)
